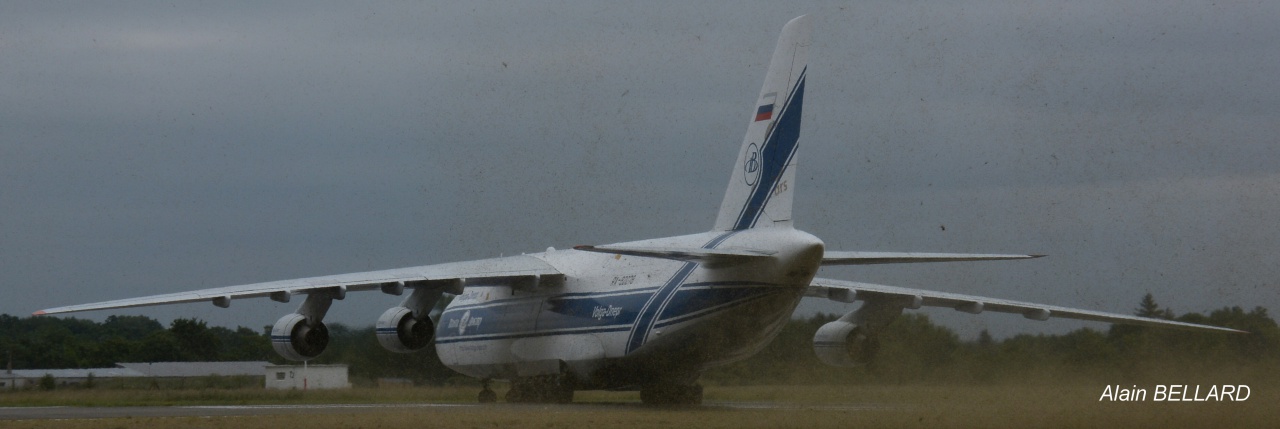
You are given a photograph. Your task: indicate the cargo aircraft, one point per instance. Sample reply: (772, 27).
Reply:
(647, 315)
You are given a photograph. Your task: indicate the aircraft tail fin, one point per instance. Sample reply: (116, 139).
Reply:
(761, 187)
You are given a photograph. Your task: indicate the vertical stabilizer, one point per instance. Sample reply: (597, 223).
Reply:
(763, 180)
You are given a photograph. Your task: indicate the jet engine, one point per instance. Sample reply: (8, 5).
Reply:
(297, 339)
(844, 344)
(399, 331)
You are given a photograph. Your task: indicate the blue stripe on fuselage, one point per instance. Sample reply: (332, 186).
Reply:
(695, 298)
(577, 315)
(649, 314)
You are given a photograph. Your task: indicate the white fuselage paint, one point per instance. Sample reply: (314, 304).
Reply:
(618, 320)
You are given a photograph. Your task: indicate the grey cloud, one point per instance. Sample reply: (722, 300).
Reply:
(152, 147)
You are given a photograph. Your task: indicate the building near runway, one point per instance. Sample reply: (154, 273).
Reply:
(30, 378)
(138, 374)
(303, 377)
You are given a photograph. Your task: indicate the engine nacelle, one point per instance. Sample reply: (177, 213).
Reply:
(296, 339)
(400, 332)
(844, 344)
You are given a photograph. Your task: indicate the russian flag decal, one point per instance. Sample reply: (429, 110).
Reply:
(765, 111)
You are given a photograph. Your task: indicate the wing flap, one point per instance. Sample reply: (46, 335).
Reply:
(517, 271)
(847, 291)
(871, 258)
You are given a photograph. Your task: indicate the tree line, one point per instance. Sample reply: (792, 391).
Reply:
(913, 349)
(41, 342)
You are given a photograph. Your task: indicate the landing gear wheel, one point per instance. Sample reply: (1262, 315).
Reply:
(515, 395)
(541, 389)
(487, 395)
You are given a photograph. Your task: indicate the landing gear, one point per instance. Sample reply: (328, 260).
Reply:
(487, 395)
(671, 394)
(541, 389)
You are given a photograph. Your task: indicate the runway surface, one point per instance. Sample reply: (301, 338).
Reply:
(77, 413)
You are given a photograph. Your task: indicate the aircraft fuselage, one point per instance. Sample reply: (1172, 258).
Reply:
(618, 320)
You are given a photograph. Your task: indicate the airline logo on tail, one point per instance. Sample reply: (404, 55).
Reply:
(752, 167)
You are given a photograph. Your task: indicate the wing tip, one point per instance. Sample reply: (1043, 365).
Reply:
(38, 313)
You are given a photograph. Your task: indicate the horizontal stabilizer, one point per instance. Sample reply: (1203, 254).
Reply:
(846, 291)
(871, 258)
(688, 254)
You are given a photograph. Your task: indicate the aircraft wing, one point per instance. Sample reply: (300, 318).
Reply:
(517, 271)
(846, 291)
(870, 258)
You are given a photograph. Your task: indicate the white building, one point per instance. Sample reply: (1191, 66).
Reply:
(195, 369)
(307, 377)
(29, 378)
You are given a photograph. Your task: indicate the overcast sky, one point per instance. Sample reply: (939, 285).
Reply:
(149, 148)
